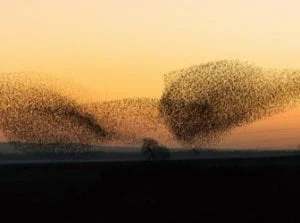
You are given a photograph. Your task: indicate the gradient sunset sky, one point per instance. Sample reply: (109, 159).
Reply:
(121, 49)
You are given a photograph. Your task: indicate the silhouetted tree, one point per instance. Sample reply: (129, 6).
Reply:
(195, 151)
(153, 151)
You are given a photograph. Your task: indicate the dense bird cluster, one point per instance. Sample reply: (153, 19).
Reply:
(198, 106)
(203, 102)
(37, 113)
(132, 120)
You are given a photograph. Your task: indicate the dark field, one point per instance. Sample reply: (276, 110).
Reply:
(248, 190)
(31, 153)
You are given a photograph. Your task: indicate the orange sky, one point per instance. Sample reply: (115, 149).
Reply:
(278, 131)
(121, 48)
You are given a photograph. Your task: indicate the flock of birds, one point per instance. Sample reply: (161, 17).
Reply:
(199, 105)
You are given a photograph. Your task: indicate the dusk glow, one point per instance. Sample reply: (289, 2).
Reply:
(122, 49)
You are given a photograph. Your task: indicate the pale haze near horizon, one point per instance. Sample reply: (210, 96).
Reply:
(119, 49)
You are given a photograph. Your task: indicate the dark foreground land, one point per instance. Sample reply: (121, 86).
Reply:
(248, 190)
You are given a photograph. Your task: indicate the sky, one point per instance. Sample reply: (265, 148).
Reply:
(119, 49)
